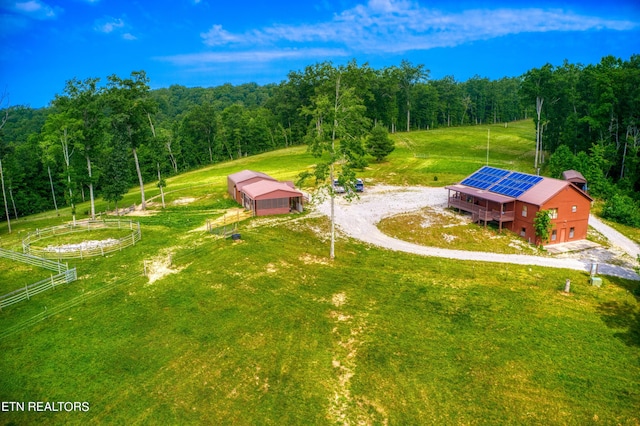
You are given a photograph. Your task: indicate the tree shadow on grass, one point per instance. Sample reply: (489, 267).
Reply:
(623, 315)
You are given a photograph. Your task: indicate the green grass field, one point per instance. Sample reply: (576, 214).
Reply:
(14, 275)
(268, 330)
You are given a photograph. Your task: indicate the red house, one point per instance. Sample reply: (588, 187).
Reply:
(512, 199)
(236, 181)
(267, 197)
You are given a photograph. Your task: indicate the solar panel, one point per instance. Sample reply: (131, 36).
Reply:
(485, 177)
(504, 182)
(515, 184)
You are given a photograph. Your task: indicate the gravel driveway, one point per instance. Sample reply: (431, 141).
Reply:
(360, 217)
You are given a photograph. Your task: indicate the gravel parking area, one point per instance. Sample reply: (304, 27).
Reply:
(360, 217)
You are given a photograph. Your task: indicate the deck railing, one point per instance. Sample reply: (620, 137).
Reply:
(479, 212)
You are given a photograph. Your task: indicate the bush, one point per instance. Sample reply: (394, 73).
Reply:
(622, 209)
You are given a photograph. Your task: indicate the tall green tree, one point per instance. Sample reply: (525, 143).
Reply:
(408, 76)
(199, 130)
(379, 144)
(131, 112)
(116, 176)
(60, 133)
(337, 116)
(82, 101)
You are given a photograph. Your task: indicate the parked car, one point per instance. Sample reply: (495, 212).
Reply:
(359, 185)
(337, 188)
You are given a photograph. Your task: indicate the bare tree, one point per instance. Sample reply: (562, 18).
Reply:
(4, 102)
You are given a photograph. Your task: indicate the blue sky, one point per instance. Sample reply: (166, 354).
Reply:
(44, 43)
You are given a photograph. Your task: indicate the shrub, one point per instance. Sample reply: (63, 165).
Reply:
(622, 209)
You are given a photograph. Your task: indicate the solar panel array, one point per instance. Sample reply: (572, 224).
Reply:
(485, 177)
(504, 182)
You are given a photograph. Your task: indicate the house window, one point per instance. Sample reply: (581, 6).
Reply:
(524, 210)
(553, 213)
(554, 235)
(572, 232)
(523, 232)
(574, 209)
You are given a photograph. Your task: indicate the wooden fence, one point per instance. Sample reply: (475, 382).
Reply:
(64, 276)
(81, 252)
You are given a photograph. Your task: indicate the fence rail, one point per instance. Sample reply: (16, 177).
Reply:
(64, 276)
(81, 251)
(30, 259)
(31, 290)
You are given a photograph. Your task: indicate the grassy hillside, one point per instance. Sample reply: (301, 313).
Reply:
(267, 330)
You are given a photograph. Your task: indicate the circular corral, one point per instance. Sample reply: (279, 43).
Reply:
(86, 248)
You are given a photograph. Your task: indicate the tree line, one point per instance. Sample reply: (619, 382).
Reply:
(587, 118)
(101, 138)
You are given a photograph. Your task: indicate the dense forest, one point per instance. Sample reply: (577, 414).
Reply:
(101, 138)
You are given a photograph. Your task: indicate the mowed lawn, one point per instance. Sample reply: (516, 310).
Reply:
(268, 330)
(15, 275)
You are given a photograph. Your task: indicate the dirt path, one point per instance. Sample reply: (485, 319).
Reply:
(359, 220)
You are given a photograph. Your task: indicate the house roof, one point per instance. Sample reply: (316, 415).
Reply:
(468, 190)
(246, 175)
(264, 187)
(543, 191)
(503, 186)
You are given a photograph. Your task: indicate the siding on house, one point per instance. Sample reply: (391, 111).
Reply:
(268, 197)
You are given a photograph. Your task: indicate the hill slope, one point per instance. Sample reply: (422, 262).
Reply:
(268, 330)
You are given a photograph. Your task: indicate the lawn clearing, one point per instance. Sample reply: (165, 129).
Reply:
(447, 229)
(268, 330)
(15, 275)
(256, 332)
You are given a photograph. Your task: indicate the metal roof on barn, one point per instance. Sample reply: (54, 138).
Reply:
(264, 187)
(245, 175)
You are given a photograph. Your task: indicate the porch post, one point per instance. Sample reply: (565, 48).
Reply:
(486, 208)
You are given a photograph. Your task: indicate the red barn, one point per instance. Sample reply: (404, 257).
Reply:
(267, 197)
(512, 199)
(236, 181)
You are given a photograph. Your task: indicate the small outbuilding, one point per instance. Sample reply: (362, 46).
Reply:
(266, 197)
(512, 199)
(236, 181)
(576, 178)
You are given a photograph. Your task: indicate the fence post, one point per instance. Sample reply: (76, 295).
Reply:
(53, 284)
(26, 289)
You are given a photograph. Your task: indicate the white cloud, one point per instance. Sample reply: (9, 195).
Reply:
(108, 25)
(253, 56)
(401, 25)
(118, 26)
(217, 36)
(36, 9)
(384, 26)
